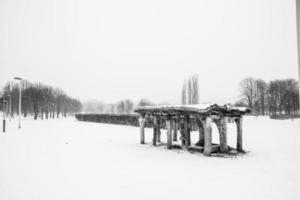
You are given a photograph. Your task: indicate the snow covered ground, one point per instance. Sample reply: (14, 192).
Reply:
(67, 159)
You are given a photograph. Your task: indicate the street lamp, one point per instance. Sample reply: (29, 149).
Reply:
(20, 99)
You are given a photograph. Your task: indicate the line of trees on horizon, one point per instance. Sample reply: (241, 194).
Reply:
(274, 98)
(126, 106)
(40, 100)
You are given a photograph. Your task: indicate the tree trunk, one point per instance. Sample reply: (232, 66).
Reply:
(42, 114)
(35, 116)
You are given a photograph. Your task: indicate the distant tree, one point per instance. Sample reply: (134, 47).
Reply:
(261, 89)
(240, 104)
(183, 94)
(39, 100)
(248, 87)
(120, 107)
(278, 97)
(94, 106)
(128, 106)
(190, 90)
(195, 89)
(112, 109)
(144, 102)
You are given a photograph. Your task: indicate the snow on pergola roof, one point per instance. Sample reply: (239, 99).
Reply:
(202, 109)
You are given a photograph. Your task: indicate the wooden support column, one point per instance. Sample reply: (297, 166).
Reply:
(142, 129)
(223, 134)
(158, 135)
(239, 126)
(169, 133)
(187, 131)
(154, 130)
(182, 134)
(188, 139)
(175, 129)
(201, 132)
(207, 136)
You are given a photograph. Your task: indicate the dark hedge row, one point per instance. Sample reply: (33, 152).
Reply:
(122, 119)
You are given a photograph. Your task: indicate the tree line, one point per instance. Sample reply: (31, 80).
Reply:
(40, 100)
(274, 98)
(126, 106)
(121, 107)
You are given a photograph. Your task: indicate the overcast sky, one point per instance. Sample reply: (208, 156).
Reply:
(116, 49)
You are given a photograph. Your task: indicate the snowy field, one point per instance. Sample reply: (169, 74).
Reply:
(67, 159)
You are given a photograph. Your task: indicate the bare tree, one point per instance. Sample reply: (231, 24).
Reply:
(195, 89)
(190, 90)
(248, 88)
(261, 90)
(39, 100)
(183, 93)
(278, 97)
(144, 102)
(120, 107)
(128, 106)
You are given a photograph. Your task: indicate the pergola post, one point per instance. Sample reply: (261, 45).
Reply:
(169, 133)
(154, 130)
(158, 134)
(142, 129)
(182, 134)
(207, 136)
(187, 130)
(201, 132)
(175, 129)
(223, 134)
(239, 126)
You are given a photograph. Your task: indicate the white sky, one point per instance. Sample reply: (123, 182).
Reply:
(111, 50)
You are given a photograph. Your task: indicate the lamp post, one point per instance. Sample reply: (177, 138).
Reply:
(20, 99)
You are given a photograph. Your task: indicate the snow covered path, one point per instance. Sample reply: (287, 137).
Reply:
(67, 159)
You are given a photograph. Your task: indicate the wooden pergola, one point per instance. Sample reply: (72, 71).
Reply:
(183, 118)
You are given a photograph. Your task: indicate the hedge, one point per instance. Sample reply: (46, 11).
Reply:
(124, 119)
(121, 119)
